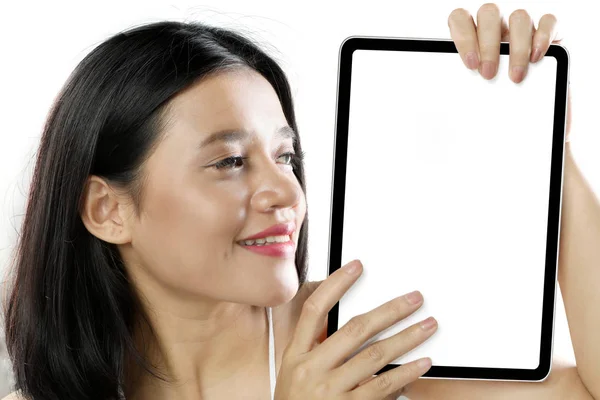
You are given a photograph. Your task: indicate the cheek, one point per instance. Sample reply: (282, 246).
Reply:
(301, 208)
(186, 234)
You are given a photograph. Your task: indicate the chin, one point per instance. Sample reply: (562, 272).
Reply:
(282, 294)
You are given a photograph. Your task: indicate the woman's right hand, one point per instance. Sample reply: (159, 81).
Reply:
(320, 371)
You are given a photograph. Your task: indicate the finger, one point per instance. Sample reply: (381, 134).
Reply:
(391, 381)
(489, 32)
(381, 353)
(323, 335)
(521, 32)
(308, 289)
(545, 34)
(394, 395)
(350, 337)
(505, 32)
(462, 31)
(319, 303)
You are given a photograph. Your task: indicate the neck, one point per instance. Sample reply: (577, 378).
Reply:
(199, 350)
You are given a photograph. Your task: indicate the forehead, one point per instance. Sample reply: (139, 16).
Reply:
(236, 98)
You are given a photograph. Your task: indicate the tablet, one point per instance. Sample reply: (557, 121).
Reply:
(451, 184)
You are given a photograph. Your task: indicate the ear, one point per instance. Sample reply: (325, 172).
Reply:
(105, 213)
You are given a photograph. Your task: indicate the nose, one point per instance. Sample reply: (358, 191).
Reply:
(275, 188)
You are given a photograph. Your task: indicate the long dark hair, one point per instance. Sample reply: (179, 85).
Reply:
(71, 311)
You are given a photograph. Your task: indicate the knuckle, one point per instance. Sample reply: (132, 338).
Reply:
(407, 372)
(519, 15)
(519, 57)
(416, 334)
(397, 308)
(489, 48)
(375, 352)
(543, 37)
(356, 327)
(322, 390)
(383, 382)
(489, 10)
(300, 374)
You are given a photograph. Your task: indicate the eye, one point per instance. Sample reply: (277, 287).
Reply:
(236, 162)
(230, 162)
(294, 158)
(290, 156)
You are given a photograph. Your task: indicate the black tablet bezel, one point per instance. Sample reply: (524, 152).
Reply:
(555, 194)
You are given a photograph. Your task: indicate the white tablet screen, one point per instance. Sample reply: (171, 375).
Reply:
(447, 190)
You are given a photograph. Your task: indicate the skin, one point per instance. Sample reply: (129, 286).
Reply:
(205, 294)
(207, 306)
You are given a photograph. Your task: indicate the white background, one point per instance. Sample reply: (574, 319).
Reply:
(41, 42)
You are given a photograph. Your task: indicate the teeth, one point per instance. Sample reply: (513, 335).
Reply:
(268, 239)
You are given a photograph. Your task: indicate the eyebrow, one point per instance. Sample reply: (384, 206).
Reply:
(234, 135)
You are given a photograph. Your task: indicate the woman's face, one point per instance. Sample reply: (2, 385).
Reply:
(198, 204)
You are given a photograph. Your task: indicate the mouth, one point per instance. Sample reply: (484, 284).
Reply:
(266, 241)
(280, 246)
(279, 233)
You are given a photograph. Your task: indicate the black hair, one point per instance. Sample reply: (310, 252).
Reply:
(71, 311)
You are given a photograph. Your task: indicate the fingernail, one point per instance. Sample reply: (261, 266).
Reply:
(428, 324)
(488, 69)
(351, 268)
(472, 60)
(518, 73)
(424, 363)
(414, 297)
(537, 54)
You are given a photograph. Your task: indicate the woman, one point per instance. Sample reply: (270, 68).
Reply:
(163, 253)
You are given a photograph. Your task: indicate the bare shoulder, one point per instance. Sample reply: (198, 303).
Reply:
(13, 396)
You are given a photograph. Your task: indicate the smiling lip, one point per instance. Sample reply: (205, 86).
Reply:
(284, 250)
(275, 230)
(275, 249)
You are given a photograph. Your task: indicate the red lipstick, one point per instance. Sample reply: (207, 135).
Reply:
(275, 230)
(274, 249)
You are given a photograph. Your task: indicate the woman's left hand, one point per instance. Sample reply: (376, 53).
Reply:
(479, 46)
